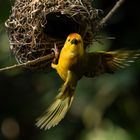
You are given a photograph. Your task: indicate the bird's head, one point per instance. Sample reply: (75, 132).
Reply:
(74, 43)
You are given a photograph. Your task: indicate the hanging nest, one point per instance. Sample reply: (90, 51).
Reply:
(34, 26)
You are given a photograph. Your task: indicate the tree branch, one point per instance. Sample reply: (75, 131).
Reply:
(111, 13)
(23, 65)
(101, 24)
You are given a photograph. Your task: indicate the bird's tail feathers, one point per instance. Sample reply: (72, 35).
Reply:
(58, 109)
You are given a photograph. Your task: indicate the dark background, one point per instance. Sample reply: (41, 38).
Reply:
(105, 108)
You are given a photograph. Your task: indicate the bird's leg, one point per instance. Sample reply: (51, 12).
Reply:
(56, 53)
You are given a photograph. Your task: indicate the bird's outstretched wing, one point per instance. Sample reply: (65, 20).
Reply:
(58, 109)
(108, 62)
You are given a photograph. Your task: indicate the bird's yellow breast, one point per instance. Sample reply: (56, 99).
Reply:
(70, 55)
(66, 60)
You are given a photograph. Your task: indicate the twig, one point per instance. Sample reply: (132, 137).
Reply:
(111, 13)
(23, 65)
(101, 24)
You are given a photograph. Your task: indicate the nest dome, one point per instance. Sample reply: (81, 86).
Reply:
(34, 26)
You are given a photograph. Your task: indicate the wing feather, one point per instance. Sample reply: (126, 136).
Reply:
(108, 62)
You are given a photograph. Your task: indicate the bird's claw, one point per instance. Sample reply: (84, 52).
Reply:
(56, 53)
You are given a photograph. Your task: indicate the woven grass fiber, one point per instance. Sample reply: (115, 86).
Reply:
(34, 26)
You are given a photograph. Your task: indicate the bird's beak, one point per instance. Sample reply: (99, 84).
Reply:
(74, 41)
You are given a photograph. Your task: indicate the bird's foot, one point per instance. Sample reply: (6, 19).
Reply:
(56, 53)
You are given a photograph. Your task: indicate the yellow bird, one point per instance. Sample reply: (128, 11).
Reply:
(74, 63)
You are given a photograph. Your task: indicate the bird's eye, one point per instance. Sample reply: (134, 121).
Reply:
(75, 41)
(68, 40)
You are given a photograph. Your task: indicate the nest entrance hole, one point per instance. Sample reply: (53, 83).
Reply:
(59, 26)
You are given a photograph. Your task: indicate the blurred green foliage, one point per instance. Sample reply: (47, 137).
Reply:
(105, 108)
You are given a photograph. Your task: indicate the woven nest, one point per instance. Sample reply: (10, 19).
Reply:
(34, 26)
